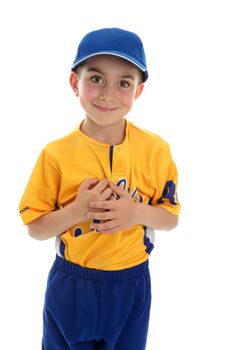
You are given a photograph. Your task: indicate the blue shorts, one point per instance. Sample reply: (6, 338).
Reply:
(87, 309)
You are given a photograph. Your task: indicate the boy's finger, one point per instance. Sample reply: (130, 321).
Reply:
(86, 184)
(106, 226)
(106, 215)
(117, 190)
(102, 184)
(103, 205)
(106, 194)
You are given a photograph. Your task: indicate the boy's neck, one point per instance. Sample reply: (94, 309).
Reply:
(111, 134)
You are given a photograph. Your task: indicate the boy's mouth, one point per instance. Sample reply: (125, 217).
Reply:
(105, 109)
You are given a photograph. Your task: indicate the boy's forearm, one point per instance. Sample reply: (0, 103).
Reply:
(55, 222)
(155, 217)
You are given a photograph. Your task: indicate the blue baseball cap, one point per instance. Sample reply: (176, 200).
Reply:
(115, 42)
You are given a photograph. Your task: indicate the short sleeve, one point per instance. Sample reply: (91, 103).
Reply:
(164, 182)
(41, 193)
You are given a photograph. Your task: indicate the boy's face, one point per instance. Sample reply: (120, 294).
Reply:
(107, 87)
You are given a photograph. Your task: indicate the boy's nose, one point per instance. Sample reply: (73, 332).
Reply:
(107, 94)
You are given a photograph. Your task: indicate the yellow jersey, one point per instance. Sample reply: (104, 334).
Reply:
(141, 164)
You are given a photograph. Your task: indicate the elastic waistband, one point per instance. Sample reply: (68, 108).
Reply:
(92, 274)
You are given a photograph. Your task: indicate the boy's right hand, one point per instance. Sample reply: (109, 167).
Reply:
(91, 190)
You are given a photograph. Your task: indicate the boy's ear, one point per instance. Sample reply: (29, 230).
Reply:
(139, 90)
(74, 83)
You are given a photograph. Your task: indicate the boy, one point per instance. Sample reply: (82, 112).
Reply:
(97, 190)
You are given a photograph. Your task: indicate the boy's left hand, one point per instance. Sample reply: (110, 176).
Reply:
(118, 214)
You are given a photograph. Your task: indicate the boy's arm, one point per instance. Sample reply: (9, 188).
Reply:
(155, 217)
(124, 213)
(56, 222)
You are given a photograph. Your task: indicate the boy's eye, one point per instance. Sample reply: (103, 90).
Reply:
(96, 79)
(124, 84)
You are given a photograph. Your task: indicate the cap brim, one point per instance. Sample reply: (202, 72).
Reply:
(117, 54)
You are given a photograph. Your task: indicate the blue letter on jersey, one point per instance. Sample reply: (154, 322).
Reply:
(168, 193)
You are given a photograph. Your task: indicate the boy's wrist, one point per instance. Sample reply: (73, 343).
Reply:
(138, 213)
(74, 213)
(143, 214)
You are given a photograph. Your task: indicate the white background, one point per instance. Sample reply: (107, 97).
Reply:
(184, 102)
